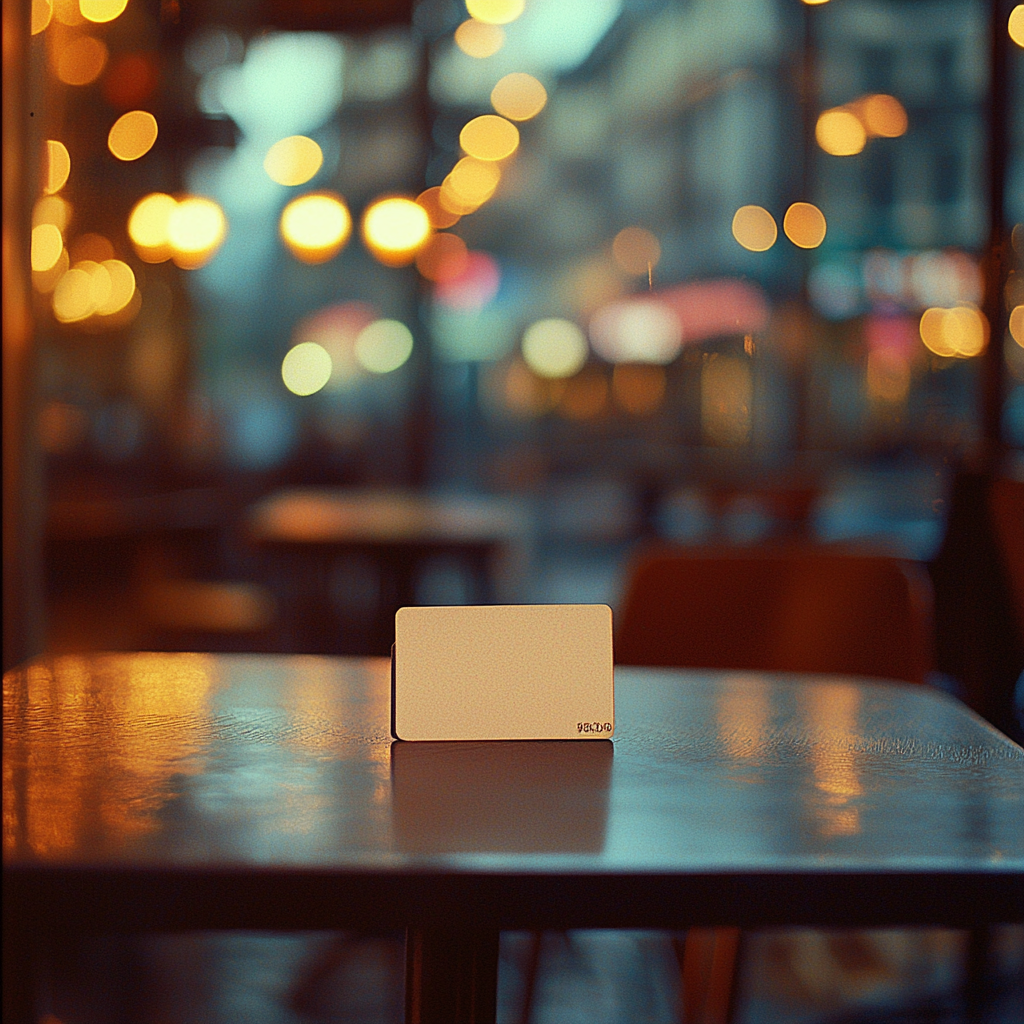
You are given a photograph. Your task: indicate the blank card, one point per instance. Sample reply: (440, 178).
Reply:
(503, 672)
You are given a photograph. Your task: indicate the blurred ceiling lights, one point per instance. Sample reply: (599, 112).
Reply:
(80, 61)
(754, 228)
(383, 346)
(443, 258)
(958, 332)
(439, 216)
(495, 12)
(489, 137)
(636, 250)
(636, 331)
(189, 231)
(195, 231)
(804, 225)
(293, 160)
(1015, 25)
(315, 227)
(554, 348)
(132, 135)
(306, 368)
(394, 229)
(101, 10)
(479, 39)
(58, 167)
(519, 96)
(42, 12)
(845, 130)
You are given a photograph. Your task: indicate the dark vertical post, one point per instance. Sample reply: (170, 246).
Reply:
(420, 418)
(22, 540)
(997, 254)
(451, 977)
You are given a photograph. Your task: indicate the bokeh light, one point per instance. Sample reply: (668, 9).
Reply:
(439, 217)
(315, 227)
(100, 285)
(195, 231)
(67, 12)
(804, 225)
(884, 116)
(519, 96)
(444, 257)
(754, 228)
(81, 61)
(636, 331)
(72, 298)
(58, 166)
(961, 331)
(478, 39)
(93, 288)
(335, 328)
(306, 368)
(840, 132)
(293, 161)
(394, 229)
(91, 246)
(147, 226)
(122, 287)
(636, 250)
(47, 245)
(383, 346)
(515, 391)
(638, 388)
(1015, 26)
(132, 135)
(102, 10)
(471, 183)
(474, 286)
(495, 12)
(585, 396)
(45, 281)
(489, 137)
(42, 12)
(130, 80)
(554, 348)
(1017, 325)
(53, 210)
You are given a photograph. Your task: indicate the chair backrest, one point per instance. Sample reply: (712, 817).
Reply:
(800, 608)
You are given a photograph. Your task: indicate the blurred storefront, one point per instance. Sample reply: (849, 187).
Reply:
(642, 268)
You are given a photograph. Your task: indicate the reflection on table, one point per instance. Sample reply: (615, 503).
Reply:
(162, 791)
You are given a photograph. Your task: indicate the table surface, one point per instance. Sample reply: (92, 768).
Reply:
(188, 790)
(334, 515)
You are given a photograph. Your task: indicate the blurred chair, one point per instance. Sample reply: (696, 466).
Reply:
(791, 608)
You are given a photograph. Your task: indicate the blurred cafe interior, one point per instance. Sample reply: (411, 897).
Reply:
(313, 309)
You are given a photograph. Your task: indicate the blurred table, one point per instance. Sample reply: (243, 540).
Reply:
(345, 560)
(148, 792)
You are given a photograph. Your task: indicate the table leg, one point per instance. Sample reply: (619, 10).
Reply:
(18, 970)
(451, 977)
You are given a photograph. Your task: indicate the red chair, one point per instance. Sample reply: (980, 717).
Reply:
(792, 608)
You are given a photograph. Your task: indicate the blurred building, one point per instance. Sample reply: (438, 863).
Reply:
(699, 269)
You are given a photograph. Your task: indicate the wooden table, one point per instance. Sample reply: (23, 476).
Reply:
(148, 792)
(384, 538)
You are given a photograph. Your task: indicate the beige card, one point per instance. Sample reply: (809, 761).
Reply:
(503, 672)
